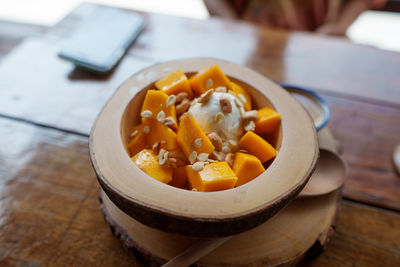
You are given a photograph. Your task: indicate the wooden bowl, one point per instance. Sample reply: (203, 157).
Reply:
(203, 214)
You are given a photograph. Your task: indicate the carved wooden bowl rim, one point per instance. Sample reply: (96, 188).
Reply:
(202, 213)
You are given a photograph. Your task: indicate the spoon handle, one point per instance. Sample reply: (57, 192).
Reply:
(196, 251)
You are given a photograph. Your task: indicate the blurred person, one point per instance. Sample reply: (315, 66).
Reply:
(322, 16)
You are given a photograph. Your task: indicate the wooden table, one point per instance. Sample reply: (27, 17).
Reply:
(49, 211)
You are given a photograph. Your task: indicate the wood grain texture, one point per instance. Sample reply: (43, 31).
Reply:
(367, 134)
(51, 215)
(360, 232)
(52, 91)
(12, 33)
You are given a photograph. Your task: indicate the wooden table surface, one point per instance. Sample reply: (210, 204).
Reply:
(49, 211)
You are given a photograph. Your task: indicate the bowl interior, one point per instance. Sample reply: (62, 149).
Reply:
(131, 116)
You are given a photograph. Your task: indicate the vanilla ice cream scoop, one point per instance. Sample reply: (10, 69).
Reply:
(211, 118)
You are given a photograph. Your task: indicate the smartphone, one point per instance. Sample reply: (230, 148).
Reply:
(102, 39)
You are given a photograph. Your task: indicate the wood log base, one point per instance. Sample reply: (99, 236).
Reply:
(297, 233)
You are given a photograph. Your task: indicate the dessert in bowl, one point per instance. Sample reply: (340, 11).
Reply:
(219, 213)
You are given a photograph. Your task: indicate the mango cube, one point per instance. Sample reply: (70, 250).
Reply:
(242, 95)
(138, 141)
(246, 167)
(157, 132)
(188, 131)
(155, 102)
(209, 77)
(179, 177)
(268, 120)
(213, 177)
(147, 161)
(176, 82)
(257, 146)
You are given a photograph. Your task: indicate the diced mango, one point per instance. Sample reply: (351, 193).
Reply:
(246, 167)
(179, 177)
(242, 95)
(156, 101)
(146, 160)
(214, 177)
(188, 132)
(138, 141)
(160, 133)
(209, 77)
(268, 120)
(257, 146)
(174, 83)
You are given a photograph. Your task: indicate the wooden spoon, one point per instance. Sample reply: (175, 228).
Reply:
(328, 176)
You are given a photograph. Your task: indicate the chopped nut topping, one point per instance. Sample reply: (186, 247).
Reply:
(233, 143)
(209, 83)
(161, 116)
(219, 117)
(180, 96)
(179, 157)
(135, 132)
(182, 106)
(163, 141)
(225, 104)
(215, 140)
(249, 126)
(171, 100)
(242, 98)
(204, 98)
(238, 103)
(225, 147)
(194, 102)
(223, 135)
(162, 157)
(146, 113)
(197, 143)
(217, 155)
(243, 151)
(198, 166)
(171, 162)
(232, 93)
(168, 121)
(202, 157)
(229, 158)
(241, 111)
(169, 159)
(192, 157)
(221, 89)
(156, 147)
(194, 189)
(250, 115)
(146, 129)
(212, 160)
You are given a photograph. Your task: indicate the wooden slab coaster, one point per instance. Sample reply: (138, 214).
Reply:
(282, 239)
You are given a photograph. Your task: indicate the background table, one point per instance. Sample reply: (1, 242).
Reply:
(49, 211)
